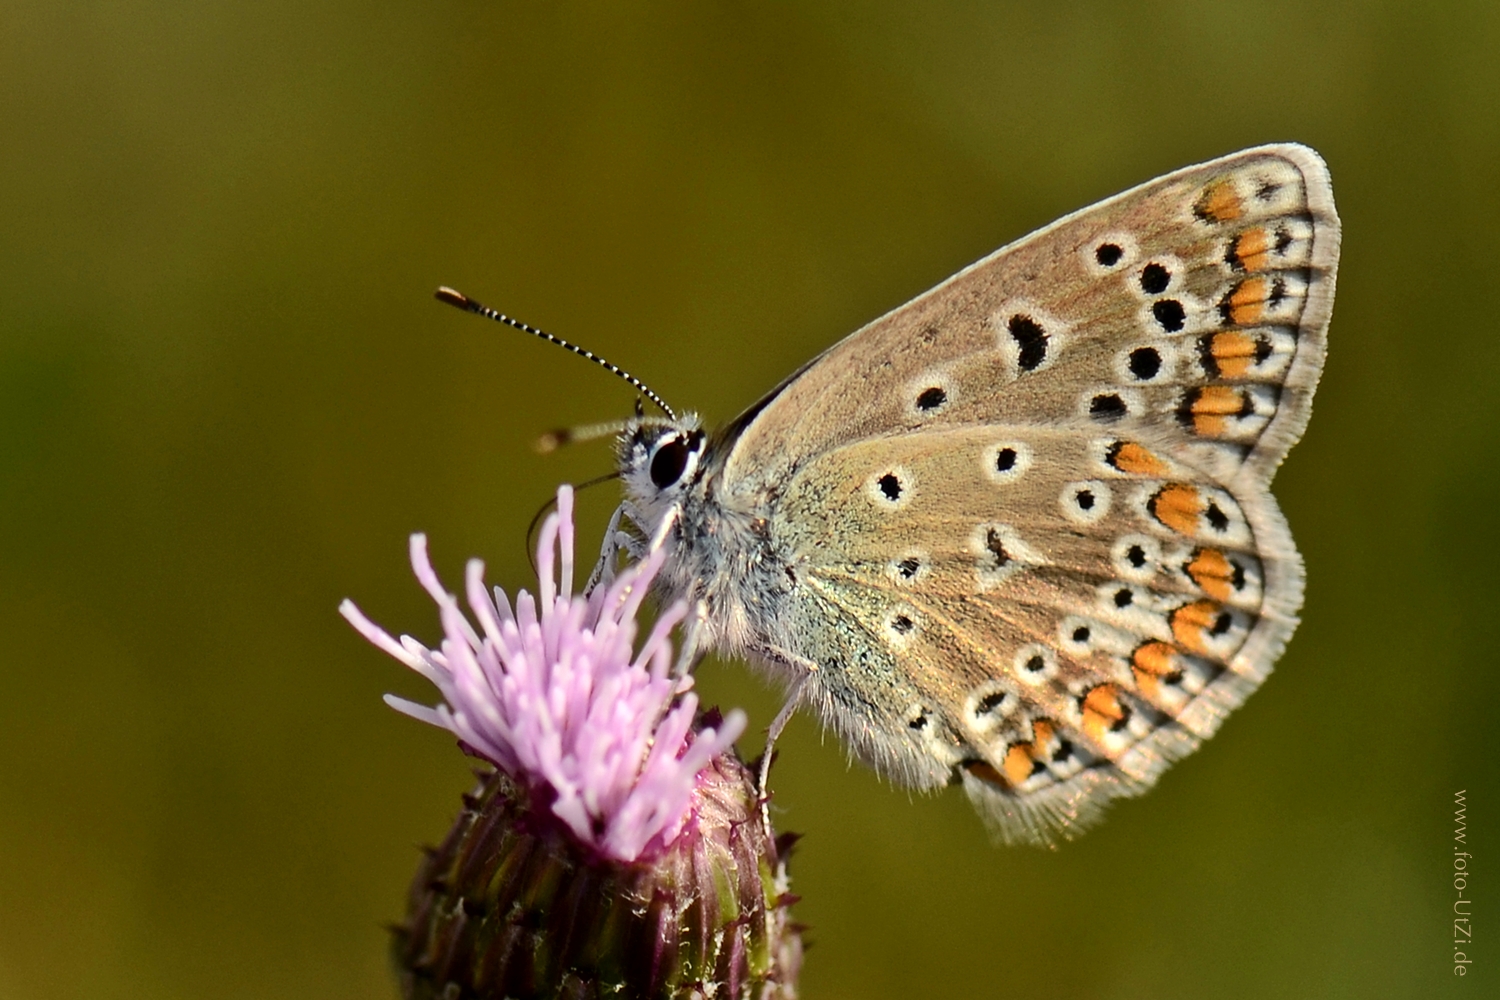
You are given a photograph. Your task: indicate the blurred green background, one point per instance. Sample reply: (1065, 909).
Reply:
(226, 397)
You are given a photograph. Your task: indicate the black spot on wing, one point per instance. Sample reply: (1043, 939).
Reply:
(1169, 314)
(996, 546)
(1145, 362)
(1155, 278)
(1031, 341)
(931, 399)
(1107, 407)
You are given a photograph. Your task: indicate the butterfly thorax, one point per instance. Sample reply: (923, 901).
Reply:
(722, 551)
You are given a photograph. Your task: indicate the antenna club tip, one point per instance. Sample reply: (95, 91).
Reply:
(459, 300)
(453, 297)
(551, 441)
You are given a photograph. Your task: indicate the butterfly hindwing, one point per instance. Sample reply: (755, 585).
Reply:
(1049, 617)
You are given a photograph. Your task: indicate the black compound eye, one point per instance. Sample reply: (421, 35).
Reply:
(669, 462)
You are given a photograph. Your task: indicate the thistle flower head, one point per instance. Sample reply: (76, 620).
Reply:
(554, 695)
(619, 848)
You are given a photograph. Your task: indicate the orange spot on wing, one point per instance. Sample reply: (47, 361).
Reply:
(1219, 202)
(1251, 250)
(1191, 621)
(1209, 406)
(1103, 712)
(1152, 664)
(1212, 571)
(1210, 426)
(1021, 759)
(1153, 658)
(1127, 456)
(1246, 304)
(1218, 399)
(1233, 353)
(1177, 506)
(1017, 764)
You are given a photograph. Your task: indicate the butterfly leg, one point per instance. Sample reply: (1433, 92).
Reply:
(692, 652)
(616, 540)
(635, 547)
(793, 699)
(630, 512)
(798, 687)
(604, 569)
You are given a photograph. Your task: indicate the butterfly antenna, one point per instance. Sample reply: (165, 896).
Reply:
(542, 512)
(555, 439)
(461, 301)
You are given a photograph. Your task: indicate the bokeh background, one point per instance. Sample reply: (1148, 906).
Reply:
(226, 397)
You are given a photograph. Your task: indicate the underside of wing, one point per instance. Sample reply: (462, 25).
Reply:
(1193, 308)
(1047, 616)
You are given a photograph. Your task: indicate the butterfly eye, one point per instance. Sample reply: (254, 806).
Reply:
(672, 458)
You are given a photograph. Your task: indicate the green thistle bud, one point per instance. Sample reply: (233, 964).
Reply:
(512, 905)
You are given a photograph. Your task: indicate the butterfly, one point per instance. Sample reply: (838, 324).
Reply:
(1017, 534)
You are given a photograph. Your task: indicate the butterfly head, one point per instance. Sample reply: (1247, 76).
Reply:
(660, 461)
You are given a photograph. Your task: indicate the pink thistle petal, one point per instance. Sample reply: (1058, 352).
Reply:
(553, 692)
(379, 636)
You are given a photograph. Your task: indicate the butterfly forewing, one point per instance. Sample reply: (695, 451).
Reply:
(1026, 515)
(1195, 304)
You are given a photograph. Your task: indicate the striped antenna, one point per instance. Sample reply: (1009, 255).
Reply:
(462, 301)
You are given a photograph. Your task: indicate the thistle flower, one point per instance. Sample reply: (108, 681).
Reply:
(617, 847)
